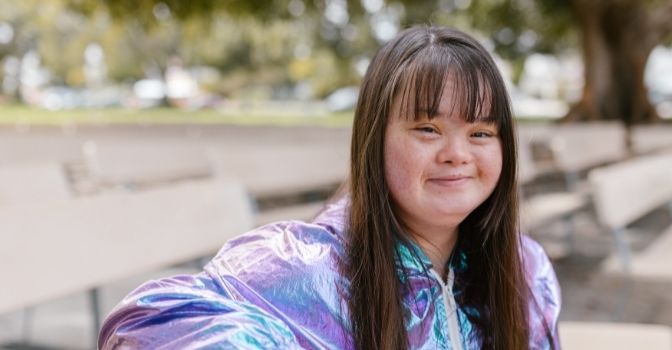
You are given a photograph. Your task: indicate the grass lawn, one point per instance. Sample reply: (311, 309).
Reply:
(18, 114)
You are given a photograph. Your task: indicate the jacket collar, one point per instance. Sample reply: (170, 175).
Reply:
(410, 259)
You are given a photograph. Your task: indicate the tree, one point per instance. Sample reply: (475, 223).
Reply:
(615, 36)
(252, 41)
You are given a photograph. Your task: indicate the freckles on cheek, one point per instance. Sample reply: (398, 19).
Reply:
(493, 168)
(397, 170)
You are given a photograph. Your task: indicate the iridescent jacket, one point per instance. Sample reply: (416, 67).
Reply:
(279, 287)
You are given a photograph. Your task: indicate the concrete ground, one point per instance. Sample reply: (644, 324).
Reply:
(591, 294)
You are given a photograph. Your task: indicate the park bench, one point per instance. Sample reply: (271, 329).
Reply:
(569, 150)
(614, 336)
(54, 249)
(627, 191)
(547, 206)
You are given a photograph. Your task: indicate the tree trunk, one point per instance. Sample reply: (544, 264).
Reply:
(617, 39)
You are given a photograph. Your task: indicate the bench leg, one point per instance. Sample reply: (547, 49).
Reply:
(623, 249)
(27, 323)
(571, 179)
(625, 255)
(94, 299)
(624, 297)
(570, 239)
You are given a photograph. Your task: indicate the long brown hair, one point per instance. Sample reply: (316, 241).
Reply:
(415, 66)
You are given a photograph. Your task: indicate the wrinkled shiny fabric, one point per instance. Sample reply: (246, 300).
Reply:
(279, 287)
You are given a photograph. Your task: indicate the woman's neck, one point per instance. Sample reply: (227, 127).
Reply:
(437, 245)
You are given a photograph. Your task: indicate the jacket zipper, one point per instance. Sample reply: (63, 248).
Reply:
(451, 309)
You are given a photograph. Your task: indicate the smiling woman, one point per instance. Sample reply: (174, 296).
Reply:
(421, 250)
(434, 174)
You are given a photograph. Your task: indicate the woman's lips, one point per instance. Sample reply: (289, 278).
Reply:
(450, 181)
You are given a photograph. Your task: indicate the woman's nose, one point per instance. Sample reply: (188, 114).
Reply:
(455, 150)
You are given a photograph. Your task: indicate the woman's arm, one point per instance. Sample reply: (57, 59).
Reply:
(187, 312)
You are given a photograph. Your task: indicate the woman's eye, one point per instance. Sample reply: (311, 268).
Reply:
(482, 134)
(426, 129)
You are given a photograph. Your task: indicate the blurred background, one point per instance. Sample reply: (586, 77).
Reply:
(137, 136)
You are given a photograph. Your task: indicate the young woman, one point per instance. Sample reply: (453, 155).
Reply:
(422, 252)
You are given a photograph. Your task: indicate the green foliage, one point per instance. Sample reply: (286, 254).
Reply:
(263, 41)
(521, 27)
(22, 116)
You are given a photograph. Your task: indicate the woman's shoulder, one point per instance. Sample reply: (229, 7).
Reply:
(538, 267)
(291, 241)
(284, 246)
(285, 252)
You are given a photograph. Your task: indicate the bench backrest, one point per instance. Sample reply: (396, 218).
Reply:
(125, 161)
(624, 192)
(49, 250)
(283, 169)
(22, 148)
(651, 138)
(25, 183)
(580, 146)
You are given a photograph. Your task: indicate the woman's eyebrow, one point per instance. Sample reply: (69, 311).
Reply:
(415, 114)
(430, 113)
(485, 118)
(426, 111)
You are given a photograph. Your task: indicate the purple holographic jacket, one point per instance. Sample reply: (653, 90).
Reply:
(279, 287)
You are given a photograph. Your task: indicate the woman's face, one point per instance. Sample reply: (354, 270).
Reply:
(439, 170)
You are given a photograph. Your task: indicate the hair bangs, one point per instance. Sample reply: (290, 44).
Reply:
(475, 100)
(463, 74)
(422, 83)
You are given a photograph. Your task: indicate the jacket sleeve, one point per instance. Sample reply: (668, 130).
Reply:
(189, 312)
(544, 308)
